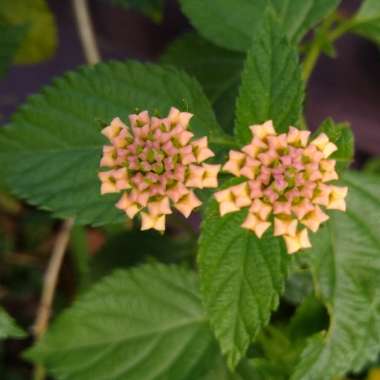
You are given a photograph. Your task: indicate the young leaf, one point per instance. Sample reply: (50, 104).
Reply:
(237, 20)
(10, 40)
(145, 323)
(341, 135)
(241, 279)
(41, 35)
(218, 70)
(345, 262)
(8, 327)
(271, 88)
(367, 21)
(50, 153)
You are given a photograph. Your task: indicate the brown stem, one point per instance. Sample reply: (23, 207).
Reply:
(49, 287)
(91, 52)
(86, 31)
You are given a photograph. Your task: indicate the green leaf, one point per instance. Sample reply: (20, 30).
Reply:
(238, 20)
(241, 279)
(299, 284)
(137, 246)
(309, 318)
(145, 323)
(341, 135)
(367, 21)
(221, 372)
(248, 369)
(272, 88)
(50, 153)
(151, 8)
(345, 262)
(8, 327)
(10, 40)
(218, 70)
(229, 24)
(260, 369)
(41, 36)
(298, 16)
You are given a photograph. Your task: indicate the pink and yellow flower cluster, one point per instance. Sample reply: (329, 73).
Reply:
(156, 164)
(286, 184)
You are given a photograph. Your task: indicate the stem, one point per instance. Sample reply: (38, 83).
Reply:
(316, 46)
(49, 287)
(86, 31)
(343, 28)
(311, 59)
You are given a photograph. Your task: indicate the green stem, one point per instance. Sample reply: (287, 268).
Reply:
(316, 47)
(341, 29)
(311, 59)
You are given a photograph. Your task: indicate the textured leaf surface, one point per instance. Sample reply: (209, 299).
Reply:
(51, 150)
(8, 327)
(41, 35)
(341, 135)
(237, 20)
(241, 279)
(345, 262)
(271, 87)
(145, 323)
(217, 69)
(367, 21)
(10, 39)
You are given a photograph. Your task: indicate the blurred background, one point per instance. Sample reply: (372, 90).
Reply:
(346, 88)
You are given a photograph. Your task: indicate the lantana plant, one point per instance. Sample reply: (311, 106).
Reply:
(252, 250)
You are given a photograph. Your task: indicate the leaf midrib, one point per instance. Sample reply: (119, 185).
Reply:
(168, 328)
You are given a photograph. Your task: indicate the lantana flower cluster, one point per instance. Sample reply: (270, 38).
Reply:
(286, 184)
(156, 164)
